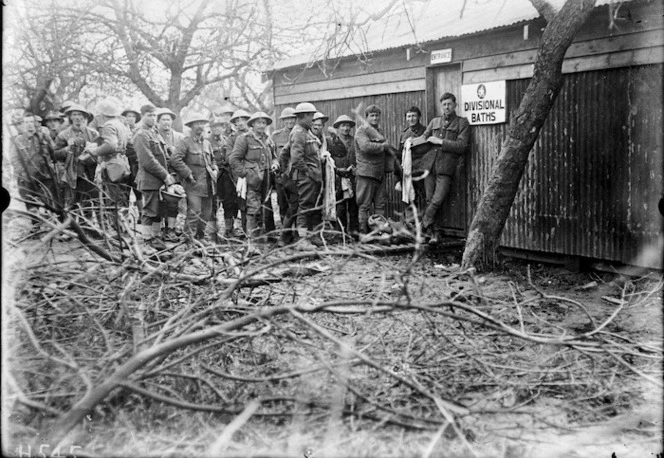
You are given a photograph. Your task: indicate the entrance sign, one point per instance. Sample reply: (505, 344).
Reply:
(441, 56)
(484, 103)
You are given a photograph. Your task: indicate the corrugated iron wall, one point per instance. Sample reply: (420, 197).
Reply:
(393, 107)
(595, 175)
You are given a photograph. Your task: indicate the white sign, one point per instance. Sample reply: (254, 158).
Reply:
(484, 103)
(441, 56)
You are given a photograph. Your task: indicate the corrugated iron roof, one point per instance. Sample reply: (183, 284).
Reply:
(419, 22)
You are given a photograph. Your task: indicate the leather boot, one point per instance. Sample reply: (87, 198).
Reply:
(211, 232)
(252, 226)
(228, 233)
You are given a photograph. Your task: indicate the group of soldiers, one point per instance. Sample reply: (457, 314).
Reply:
(324, 178)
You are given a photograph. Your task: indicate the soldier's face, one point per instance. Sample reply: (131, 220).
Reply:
(344, 128)
(217, 129)
(447, 106)
(412, 118)
(53, 124)
(259, 125)
(29, 125)
(373, 119)
(150, 119)
(289, 123)
(241, 123)
(317, 126)
(77, 118)
(165, 122)
(131, 119)
(197, 128)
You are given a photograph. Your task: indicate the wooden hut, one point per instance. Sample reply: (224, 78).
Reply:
(594, 178)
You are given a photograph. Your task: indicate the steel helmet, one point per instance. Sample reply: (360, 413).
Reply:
(259, 115)
(320, 115)
(164, 111)
(305, 107)
(287, 112)
(110, 107)
(342, 119)
(131, 110)
(194, 117)
(240, 114)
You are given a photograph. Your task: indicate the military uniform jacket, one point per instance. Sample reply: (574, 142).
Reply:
(252, 156)
(31, 158)
(343, 153)
(305, 153)
(370, 152)
(114, 134)
(69, 154)
(172, 138)
(455, 133)
(152, 159)
(193, 158)
(410, 132)
(220, 151)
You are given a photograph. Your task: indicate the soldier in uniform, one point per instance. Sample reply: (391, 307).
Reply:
(414, 129)
(225, 185)
(253, 158)
(53, 122)
(306, 172)
(132, 118)
(193, 161)
(165, 118)
(342, 148)
(72, 147)
(239, 121)
(153, 174)
(113, 139)
(450, 135)
(286, 189)
(371, 149)
(33, 163)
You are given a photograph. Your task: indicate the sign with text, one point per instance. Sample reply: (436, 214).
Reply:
(441, 56)
(484, 103)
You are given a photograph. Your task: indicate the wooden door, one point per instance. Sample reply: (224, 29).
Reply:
(441, 79)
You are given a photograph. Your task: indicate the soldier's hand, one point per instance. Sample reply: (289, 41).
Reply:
(191, 179)
(169, 180)
(435, 140)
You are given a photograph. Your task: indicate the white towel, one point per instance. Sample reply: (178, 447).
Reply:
(329, 191)
(241, 188)
(407, 190)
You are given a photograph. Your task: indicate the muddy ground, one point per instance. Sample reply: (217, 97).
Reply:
(404, 358)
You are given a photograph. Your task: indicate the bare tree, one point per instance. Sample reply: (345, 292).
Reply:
(524, 128)
(170, 55)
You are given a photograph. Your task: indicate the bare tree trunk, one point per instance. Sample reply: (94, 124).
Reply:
(525, 125)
